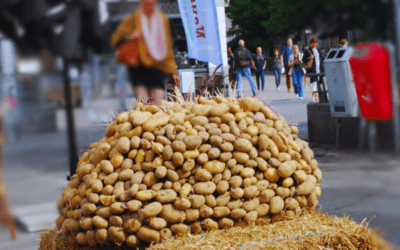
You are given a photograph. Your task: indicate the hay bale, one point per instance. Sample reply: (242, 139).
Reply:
(329, 232)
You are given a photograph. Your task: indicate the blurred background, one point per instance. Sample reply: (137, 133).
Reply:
(46, 43)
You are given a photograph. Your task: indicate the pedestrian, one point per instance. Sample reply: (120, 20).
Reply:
(314, 54)
(242, 63)
(285, 53)
(147, 31)
(259, 63)
(297, 71)
(343, 43)
(276, 67)
(231, 63)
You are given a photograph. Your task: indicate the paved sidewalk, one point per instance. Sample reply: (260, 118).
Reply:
(35, 169)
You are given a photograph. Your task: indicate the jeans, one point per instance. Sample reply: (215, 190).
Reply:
(298, 76)
(277, 73)
(245, 71)
(262, 75)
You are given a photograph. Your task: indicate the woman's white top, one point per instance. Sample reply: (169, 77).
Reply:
(154, 35)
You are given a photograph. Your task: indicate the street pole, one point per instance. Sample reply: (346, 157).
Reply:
(73, 153)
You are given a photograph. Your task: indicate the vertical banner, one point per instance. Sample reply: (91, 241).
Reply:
(200, 21)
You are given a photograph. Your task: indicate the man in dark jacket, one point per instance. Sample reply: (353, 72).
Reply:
(316, 55)
(242, 63)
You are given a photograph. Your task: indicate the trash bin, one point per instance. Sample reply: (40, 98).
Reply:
(370, 65)
(187, 81)
(342, 93)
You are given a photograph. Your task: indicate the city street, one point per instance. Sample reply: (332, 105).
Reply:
(359, 184)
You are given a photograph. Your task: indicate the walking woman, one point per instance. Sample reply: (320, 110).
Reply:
(276, 66)
(314, 54)
(149, 28)
(297, 72)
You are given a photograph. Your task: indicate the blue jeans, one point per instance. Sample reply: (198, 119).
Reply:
(277, 73)
(245, 71)
(262, 75)
(298, 76)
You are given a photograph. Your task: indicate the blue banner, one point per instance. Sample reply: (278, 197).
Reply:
(200, 21)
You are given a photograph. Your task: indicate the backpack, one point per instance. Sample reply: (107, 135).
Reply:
(241, 59)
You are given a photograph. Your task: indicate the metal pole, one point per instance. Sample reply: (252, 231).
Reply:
(371, 137)
(73, 153)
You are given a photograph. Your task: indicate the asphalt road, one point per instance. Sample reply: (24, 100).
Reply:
(361, 185)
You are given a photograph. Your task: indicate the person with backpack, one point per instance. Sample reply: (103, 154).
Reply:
(242, 62)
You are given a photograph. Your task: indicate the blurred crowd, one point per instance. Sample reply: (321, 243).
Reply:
(292, 61)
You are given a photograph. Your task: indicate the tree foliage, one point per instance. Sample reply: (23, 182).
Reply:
(263, 20)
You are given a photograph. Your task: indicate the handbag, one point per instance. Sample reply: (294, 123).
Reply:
(282, 70)
(308, 65)
(128, 54)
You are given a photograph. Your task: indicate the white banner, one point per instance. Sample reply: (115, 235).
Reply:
(200, 20)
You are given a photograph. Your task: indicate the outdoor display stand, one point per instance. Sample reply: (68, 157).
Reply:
(342, 93)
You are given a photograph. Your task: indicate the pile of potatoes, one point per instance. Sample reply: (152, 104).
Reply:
(195, 166)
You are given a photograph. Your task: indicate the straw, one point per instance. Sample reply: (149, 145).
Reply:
(309, 231)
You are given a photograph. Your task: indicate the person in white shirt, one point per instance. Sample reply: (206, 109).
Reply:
(343, 43)
(315, 54)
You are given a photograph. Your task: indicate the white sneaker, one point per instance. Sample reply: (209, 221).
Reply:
(301, 98)
(278, 88)
(297, 95)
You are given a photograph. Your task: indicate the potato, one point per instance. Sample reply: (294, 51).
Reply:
(287, 182)
(306, 188)
(210, 224)
(293, 204)
(185, 190)
(99, 222)
(163, 140)
(81, 238)
(101, 236)
(157, 223)
(181, 136)
(225, 223)
(227, 117)
(116, 235)
(147, 234)
(251, 205)
(145, 195)
(234, 204)
(241, 157)
(84, 169)
(251, 217)
(251, 192)
(204, 148)
(134, 205)
(276, 205)
(150, 179)
(247, 172)
(237, 193)
(97, 186)
(246, 136)
(240, 115)
(215, 167)
(166, 196)
(191, 154)
(235, 181)
(179, 228)
(161, 172)
(167, 185)
(242, 125)
(204, 136)
(145, 144)
(205, 211)
(140, 156)
(165, 233)
(177, 158)
(204, 188)
(132, 225)
(202, 158)
(238, 213)
(219, 109)
(116, 221)
(219, 212)
(286, 169)
(152, 210)
(271, 175)
(196, 200)
(157, 120)
(234, 129)
(86, 223)
(133, 241)
(318, 174)
(252, 130)
(203, 175)
(282, 192)
(171, 214)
